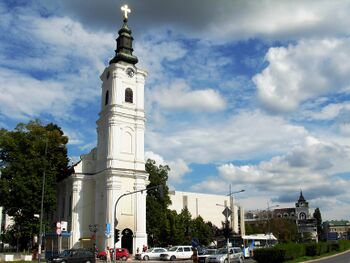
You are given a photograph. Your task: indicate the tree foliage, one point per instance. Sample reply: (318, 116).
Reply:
(25, 154)
(284, 229)
(318, 217)
(165, 226)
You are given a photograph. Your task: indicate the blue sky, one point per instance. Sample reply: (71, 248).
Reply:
(250, 93)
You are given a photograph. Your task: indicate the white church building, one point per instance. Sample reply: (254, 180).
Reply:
(88, 196)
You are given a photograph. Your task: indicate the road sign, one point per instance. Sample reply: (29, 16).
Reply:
(108, 229)
(64, 225)
(227, 212)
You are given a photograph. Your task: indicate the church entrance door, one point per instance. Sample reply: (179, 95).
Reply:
(127, 236)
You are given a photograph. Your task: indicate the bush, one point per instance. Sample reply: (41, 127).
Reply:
(311, 250)
(268, 255)
(292, 250)
(344, 245)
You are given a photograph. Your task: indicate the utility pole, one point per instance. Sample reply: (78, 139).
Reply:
(160, 189)
(42, 204)
(232, 206)
(268, 222)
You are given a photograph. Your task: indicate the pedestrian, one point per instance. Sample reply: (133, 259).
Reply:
(108, 255)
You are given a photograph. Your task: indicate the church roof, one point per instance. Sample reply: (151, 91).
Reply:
(301, 197)
(124, 46)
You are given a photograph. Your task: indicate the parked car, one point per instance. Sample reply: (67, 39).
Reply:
(151, 253)
(205, 254)
(121, 253)
(235, 253)
(177, 252)
(73, 256)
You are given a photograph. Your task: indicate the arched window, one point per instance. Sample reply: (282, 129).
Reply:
(302, 216)
(106, 97)
(128, 95)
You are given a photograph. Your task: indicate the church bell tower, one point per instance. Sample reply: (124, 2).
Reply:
(120, 156)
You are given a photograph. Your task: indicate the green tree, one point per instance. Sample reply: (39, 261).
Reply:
(25, 154)
(157, 215)
(318, 217)
(284, 229)
(164, 226)
(202, 230)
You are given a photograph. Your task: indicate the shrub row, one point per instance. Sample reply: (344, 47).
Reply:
(284, 252)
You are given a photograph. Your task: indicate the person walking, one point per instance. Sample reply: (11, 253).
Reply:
(108, 255)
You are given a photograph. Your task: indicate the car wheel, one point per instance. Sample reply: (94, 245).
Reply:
(172, 258)
(146, 258)
(225, 261)
(124, 258)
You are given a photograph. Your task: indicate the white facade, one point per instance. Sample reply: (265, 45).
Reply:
(210, 207)
(115, 167)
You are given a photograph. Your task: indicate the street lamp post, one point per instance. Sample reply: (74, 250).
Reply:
(268, 221)
(226, 213)
(159, 187)
(42, 205)
(231, 204)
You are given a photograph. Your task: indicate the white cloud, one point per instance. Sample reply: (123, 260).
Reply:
(179, 96)
(39, 95)
(178, 168)
(245, 136)
(303, 71)
(331, 111)
(57, 70)
(312, 167)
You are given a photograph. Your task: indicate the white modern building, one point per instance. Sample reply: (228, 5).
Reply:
(210, 207)
(88, 196)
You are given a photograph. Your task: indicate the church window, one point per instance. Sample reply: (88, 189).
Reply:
(107, 97)
(128, 95)
(70, 206)
(302, 216)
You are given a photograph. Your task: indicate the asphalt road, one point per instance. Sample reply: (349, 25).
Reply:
(343, 258)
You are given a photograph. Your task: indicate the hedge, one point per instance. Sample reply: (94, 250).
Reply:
(284, 252)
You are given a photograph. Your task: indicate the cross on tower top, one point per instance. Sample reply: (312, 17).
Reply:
(126, 10)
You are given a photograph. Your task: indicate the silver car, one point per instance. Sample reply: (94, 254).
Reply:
(152, 253)
(235, 254)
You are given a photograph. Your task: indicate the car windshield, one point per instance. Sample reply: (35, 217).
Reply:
(222, 251)
(173, 249)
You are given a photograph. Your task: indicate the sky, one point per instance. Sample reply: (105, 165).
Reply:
(252, 94)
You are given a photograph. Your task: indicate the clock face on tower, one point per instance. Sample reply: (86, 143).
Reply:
(130, 72)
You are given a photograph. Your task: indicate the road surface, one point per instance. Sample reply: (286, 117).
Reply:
(343, 258)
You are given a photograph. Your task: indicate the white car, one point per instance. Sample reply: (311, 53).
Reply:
(177, 252)
(236, 255)
(152, 253)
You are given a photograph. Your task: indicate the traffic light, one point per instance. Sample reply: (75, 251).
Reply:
(116, 235)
